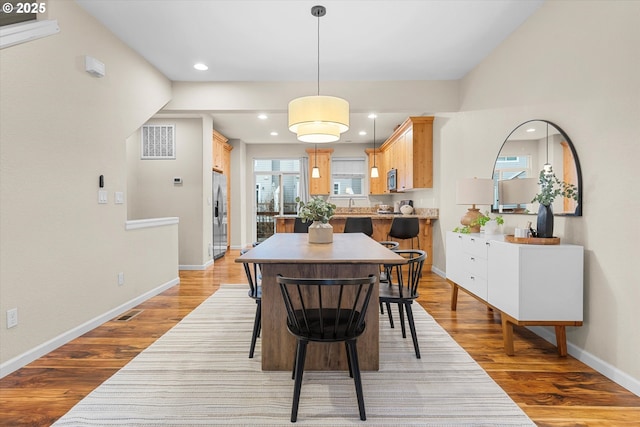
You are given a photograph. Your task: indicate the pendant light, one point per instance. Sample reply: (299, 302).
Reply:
(315, 172)
(374, 168)
(316, 118)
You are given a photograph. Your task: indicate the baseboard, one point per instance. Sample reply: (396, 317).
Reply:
(606, 369)
(438, 272)
(39, 351)
(196, 267)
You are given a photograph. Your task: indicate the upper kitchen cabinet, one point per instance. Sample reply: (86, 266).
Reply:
(221, 160)
(410, 150)
(377, 185)
(320, 157)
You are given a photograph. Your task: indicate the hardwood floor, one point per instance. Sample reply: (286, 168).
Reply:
(552, 390)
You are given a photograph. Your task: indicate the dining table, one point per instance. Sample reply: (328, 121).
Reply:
(350, 255)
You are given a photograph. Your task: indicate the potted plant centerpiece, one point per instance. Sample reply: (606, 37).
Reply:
(490, 225)
(319, 212)
(550, 188)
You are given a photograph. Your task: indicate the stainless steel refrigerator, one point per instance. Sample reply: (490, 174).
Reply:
(219, 215)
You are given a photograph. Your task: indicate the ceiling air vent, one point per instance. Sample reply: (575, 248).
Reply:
(158, 142)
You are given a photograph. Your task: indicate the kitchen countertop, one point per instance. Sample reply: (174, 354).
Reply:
(341, 213)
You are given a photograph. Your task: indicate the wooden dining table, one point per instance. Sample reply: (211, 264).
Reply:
(291, 255)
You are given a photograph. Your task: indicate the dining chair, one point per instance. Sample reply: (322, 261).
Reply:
(252, 271)
(301, 227)
(326, 311)
(404, 290)
(383, 268)
(405, 228)
(359, 225)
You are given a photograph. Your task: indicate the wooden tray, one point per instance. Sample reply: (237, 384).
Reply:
(532, 240)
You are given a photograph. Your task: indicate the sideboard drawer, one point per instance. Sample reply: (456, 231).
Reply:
(477, 285)
(476, 266)
(475, 246)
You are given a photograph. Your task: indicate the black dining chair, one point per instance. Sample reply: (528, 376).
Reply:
(255, 292)
(383, 268)
(403, 289)
(326, 311)
(405, 228)
(359, 225)
(301, 227)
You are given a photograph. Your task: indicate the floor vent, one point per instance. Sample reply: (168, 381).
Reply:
(128, 315)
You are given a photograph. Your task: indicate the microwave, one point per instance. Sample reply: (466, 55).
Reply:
(392, 180)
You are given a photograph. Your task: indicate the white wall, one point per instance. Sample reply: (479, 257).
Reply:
(157, 196)
(576, 64)
(60, 129)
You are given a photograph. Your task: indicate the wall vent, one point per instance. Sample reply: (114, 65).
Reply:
(128, 315)
(158, 142)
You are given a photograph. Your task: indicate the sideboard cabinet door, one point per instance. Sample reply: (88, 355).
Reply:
(536, 282)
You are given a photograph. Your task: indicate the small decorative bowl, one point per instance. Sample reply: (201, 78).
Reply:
(406, 209)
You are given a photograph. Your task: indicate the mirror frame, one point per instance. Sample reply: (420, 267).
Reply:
(578, 210)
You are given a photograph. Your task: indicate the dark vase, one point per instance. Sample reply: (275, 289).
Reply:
(545, 221)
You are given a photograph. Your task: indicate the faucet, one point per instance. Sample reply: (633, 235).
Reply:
(351, 202)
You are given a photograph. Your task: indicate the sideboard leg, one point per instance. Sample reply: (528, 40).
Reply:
(561, 340)
(507, 335)
(454, 297)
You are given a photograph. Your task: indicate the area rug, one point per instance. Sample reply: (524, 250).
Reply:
(199, 374)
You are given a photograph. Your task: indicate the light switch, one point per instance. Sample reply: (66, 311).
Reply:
(119, 196)
(102, 197)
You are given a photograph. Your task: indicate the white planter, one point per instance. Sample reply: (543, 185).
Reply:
(492, 227)
(320, 232)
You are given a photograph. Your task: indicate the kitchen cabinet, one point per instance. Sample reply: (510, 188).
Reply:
(410, 150)
(529, 285)
(221, 149)
(221, 162)
(321, 158)
(377, 185)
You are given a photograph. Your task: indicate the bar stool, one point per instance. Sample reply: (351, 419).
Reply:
(359, 225)
(301, 227)
(405, 228)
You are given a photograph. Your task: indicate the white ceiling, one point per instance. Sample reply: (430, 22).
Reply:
(276, 41)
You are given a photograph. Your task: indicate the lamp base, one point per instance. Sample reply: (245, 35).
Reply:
(472, 215)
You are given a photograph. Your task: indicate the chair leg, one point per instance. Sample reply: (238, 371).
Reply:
(401, 311)
(256, 328)
(352, 354)
(412, 327)
(300, 357)
(346, 346)
(295, 360)
(381, 309)
(389, 313)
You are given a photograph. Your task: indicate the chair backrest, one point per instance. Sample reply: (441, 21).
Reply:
(301, 227)
(326, 310)
(404, 228)
(253, 275)
(407, 276)
(359, 225)
(389, 244)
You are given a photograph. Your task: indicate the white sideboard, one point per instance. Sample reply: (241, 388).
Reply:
(528, 284)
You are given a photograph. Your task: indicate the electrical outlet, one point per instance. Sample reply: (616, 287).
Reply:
(120, 279)
(12, 318)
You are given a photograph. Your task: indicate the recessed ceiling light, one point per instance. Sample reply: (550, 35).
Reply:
(200, 67)
(262, 116)
(531, 130)
(274, 133)
(362, 133)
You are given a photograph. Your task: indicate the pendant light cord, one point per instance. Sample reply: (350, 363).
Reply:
(318, 54)
(374, 142)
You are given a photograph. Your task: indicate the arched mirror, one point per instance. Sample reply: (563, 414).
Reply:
(525, 152)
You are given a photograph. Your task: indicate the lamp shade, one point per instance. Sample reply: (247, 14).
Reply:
(517, 191)
(474, 191)
(318, 118)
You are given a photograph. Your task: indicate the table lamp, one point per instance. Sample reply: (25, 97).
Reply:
(473, 191)
(517, 191)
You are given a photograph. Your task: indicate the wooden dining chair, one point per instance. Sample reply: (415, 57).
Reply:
(252, 272)
(383, 268)
(403, 290)
(326, 311)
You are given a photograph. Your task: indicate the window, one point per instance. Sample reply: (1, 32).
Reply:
(158, 142)
(348, 176)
